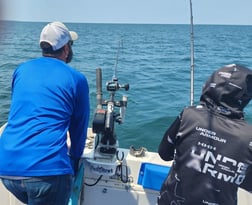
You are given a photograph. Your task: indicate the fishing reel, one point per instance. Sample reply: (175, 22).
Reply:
(113, 85)
(105, 118)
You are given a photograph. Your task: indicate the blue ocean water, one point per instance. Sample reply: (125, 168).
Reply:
(153, 59)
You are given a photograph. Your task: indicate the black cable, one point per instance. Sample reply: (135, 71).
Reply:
(95, 182)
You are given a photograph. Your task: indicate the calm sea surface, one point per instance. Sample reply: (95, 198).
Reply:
(154, 60)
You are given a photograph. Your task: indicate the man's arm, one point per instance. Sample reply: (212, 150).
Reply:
(167, 144)
(79, 121)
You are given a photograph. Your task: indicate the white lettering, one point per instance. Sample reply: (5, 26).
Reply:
(195, 162)
(225, 177)
(211, 171)
(210, 134)
(239, 179)
(242, 168)
(211, 155)
(226, 159)
(217, 166)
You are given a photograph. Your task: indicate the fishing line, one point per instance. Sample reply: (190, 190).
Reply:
(192, 57)
(120, 45)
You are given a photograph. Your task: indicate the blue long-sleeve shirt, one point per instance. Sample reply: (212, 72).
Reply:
(49, 98)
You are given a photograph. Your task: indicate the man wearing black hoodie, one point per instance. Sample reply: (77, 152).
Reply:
(211, 144)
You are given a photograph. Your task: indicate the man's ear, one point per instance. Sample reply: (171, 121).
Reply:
(65, 53)
(66, 50)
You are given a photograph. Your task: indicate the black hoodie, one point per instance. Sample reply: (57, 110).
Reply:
(211, 144)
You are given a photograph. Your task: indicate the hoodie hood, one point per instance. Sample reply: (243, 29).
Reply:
(228, 90)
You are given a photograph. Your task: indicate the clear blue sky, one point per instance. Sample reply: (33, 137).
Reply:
(130, 11)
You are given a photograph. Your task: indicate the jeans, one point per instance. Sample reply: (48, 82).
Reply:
(48, 190)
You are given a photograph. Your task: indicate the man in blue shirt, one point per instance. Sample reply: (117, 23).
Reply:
(49, 99)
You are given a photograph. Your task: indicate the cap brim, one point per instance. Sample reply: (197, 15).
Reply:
(74, 35)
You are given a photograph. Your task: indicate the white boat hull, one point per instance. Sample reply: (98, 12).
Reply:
(110, 189)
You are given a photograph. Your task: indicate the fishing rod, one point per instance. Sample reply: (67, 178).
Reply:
(192, 57)
(105, 119)
(120, 45)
